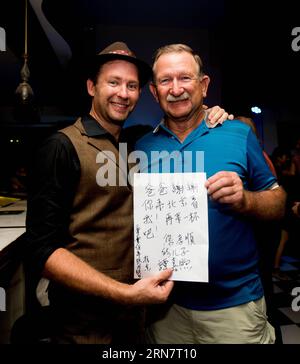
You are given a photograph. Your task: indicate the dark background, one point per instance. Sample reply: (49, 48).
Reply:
(245, 45)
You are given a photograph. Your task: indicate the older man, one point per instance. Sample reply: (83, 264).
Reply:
(231, 307)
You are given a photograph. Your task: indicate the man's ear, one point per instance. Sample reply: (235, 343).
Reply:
(153, 91)
(90, 87)
(205, 82)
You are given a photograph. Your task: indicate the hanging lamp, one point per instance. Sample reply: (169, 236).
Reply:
(24, 91)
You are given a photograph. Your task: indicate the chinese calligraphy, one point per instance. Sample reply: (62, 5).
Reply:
(171, 225)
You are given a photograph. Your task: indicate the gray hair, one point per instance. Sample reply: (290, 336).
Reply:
(178, 48)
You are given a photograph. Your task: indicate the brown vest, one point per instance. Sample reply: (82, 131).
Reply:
(101, 221)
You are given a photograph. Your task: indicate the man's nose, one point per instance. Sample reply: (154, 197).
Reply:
(123, 91)
(176, 88)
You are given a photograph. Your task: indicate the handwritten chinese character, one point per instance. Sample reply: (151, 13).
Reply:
(159, 204)
(193, 216)
(169, 219)
(192, 187)
(179, 239)
(150, 190)
(189, 237)
(166, 252)
(138, 237)
(147, 219)
(171, 204)
(168, 239)
(163, 264)
(149, 233)
(178, 217)
(185, 263)
(183, 201)
(148, 204)
(178, 189)
(146, 262)
(194, 202)
(162, 189)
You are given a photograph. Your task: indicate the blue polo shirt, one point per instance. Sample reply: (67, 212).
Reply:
(233, 256)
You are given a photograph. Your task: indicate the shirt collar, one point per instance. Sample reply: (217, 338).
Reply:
(161, 123)
(205, 126)
(92, 127)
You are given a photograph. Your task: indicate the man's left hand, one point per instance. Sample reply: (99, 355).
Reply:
(216, 115)
(226, 187)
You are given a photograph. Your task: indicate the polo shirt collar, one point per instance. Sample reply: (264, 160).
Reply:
(204, 127)
(158, 126)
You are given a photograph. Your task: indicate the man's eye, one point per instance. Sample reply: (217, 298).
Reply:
(132, 86)
(185, 78)
(164, 81)
(113, 83)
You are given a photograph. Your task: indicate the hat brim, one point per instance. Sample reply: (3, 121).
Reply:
(145, 71)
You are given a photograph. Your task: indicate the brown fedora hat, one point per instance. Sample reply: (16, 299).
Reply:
(120, 50)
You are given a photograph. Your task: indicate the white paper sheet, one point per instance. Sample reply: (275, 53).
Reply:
(171, 225)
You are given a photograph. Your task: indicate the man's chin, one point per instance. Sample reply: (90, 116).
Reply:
(179, 116)
(119, 120)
